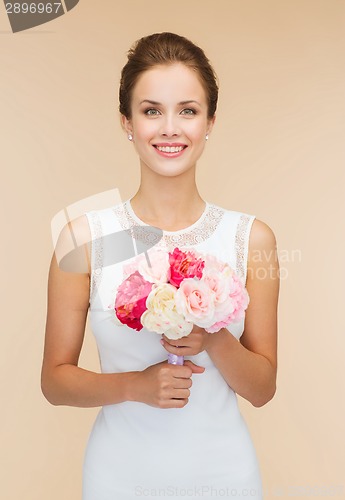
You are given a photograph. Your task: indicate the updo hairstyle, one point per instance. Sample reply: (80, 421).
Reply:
(165, 49)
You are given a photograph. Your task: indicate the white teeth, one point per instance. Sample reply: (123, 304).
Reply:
(167, 149)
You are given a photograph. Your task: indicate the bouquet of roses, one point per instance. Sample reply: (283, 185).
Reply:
(169, 292)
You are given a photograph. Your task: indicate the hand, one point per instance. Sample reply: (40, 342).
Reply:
(190, 345)
(165, 386)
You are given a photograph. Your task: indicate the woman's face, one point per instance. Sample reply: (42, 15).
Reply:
(169, 119)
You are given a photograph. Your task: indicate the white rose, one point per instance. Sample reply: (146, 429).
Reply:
(161, 315)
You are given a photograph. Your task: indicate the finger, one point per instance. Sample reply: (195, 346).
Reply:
(177, 349)
(195, 368)
(177, 403)
(183, 393)
(182, 383)
(186, 370)
(181, 342)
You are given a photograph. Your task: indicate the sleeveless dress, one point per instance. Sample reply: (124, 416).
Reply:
(134, 450)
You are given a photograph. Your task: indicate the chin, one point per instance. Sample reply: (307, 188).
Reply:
(170, 171)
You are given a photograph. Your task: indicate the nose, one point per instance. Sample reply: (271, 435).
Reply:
(169, 126)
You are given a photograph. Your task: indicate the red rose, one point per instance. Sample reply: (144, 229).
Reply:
(184, 265)
(130, 301)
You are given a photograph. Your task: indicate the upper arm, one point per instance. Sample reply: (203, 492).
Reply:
(260, 329)
(68, 295)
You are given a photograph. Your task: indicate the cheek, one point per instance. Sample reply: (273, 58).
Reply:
(144, 128)
(196, 131)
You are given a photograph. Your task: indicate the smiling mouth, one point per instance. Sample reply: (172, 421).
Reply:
(170, 149)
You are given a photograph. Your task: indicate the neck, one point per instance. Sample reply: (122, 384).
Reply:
(168, 201)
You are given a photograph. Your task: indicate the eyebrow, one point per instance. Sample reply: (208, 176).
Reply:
(182, 103)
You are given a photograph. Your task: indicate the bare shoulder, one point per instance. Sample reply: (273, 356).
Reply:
(73, 247)
(263, 262)
(262, 248)
(261, 236)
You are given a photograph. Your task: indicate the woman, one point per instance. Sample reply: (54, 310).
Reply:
(165, 429)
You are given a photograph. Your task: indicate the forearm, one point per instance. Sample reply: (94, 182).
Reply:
(249, 374)
(71, 385)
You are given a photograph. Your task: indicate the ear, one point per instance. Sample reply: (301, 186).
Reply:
(126, 124)
(210, 124)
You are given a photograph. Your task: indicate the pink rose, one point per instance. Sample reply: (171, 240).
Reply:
(195, 301)
(184, 265)
(153, 265)
(239, 300)
(220, 282)
(130, 301)
(157, 269)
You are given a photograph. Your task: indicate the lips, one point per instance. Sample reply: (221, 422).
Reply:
(170, 150)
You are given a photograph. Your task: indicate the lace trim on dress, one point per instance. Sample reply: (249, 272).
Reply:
(241, 240)
(154, 236)
(97, 251)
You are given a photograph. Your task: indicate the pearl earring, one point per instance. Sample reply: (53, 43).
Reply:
(130, 137)
(206, 137)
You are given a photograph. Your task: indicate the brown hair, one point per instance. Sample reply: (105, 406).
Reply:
(166, 48)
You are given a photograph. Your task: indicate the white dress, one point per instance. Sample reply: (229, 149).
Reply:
(203, 450)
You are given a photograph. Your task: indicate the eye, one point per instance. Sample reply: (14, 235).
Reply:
(148, 111)
(190, 111)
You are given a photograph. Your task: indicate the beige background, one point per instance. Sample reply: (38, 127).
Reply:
(277, 151)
